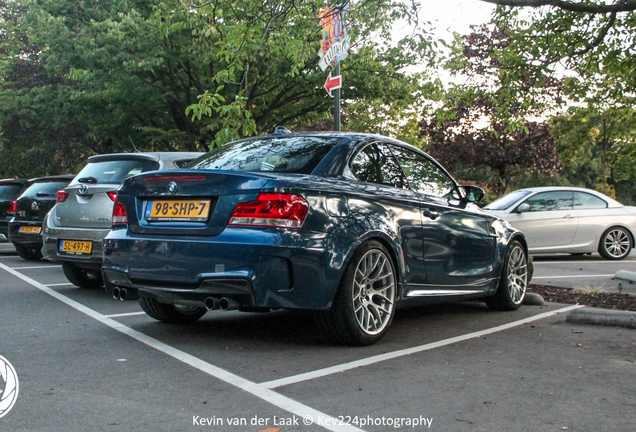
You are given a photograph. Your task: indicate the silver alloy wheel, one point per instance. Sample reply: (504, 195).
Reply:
(374, 292)
(517, 275)
(617, 243)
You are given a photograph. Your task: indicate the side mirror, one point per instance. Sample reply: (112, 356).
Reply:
(473, 194)
(523, 208)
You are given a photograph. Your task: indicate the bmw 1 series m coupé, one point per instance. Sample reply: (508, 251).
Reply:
(349, 226)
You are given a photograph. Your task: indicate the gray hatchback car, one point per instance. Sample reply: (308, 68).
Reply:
(76, 226)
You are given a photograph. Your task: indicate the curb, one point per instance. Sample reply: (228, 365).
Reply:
(625, 275)
(533, 299)
(602, 317)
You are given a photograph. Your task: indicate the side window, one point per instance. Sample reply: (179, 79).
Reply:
(423, 175)
(376, 164)
(550, 201)
(583, 201)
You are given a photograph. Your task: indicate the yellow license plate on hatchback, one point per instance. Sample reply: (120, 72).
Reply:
(75, 247)
(30, 229)
(178, 210)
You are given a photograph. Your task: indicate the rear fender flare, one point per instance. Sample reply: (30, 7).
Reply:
(396, 252)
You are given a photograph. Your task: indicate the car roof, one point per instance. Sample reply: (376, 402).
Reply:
(330, 134)
(14, 181)
(68, 177)
(612, 202)
(362, 137)
(151, 156)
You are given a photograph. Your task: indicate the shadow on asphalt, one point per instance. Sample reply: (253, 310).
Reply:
(299, 328)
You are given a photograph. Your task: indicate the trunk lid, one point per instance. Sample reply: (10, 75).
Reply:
(39, 198)
(164, 202)
(87, 206)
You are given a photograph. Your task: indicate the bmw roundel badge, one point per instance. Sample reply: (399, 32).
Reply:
(172, 187)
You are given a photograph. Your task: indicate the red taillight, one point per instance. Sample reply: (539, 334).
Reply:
(61, 196)
(119, 212)
(277, 210)
(11, 208)
(112, 195)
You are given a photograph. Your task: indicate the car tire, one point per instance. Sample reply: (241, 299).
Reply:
(171, 314)
(83, 278)
(364, 305)
(29, 254)
(615, 244)
(513, 282)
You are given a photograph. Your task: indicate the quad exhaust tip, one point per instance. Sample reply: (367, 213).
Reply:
(211, 303)
(123, 294)
(228, 304)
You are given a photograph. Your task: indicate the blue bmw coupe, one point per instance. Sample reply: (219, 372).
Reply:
(350, 226)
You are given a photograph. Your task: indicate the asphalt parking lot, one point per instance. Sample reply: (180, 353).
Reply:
(88, 362)
(584, 272)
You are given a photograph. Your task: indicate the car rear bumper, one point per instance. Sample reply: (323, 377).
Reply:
(4, 228)
(51, 239)
(31, 240)
(259, 268)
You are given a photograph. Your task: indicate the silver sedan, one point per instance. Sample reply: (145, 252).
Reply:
(569, 220)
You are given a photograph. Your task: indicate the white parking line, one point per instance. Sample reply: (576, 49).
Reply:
(264, 390)
(570, 277)
(36, 267)
(125, 314)
(60, 284)
(257, 390)
(584, 262)
(408, 351)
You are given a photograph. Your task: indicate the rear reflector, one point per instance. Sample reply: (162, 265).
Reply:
(119, 213)
(275, 210)
(61, 196)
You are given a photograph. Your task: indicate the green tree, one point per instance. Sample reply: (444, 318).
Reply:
(596, 138)
(487, 127)
(168, 74)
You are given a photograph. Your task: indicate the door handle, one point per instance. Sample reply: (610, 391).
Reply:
(568, 216)
(431, 214)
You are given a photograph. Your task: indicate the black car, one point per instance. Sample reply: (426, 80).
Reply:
(25, 229)
(10, 189)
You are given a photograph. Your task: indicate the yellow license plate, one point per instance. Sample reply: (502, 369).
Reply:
(75, 247)
(30, 229)
(178, 210)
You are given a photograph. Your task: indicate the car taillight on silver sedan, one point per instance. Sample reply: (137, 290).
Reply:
(61, 196)
(271, 210)
(119, 211)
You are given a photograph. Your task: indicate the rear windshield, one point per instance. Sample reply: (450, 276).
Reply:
(506, 201)
(44, 189)
(299, 155)
(113, 171)
(10, 191)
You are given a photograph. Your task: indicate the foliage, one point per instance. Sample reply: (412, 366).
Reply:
(506, 154)
(514, 89)
(92, 76)
(595, 138)
(596, 38)
(485, 125)
(592, 44)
